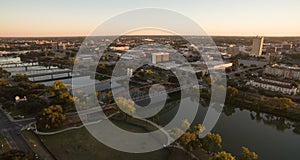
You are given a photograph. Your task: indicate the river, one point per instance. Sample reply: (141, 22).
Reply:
(241, 129)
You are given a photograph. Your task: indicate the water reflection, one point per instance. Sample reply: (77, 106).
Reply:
(272, 137)
(279, 123)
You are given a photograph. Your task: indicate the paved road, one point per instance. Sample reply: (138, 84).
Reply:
(243, 70)
(11, 130)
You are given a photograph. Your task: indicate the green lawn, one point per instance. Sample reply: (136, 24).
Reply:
(79, 144)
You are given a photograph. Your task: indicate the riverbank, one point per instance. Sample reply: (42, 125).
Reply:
(262, 108)
(259, 103)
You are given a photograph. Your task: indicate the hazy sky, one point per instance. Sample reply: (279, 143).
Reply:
(217, 17)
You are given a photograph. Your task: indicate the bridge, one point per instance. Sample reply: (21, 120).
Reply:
(98, 109)
(160, 93)
(137, 98)
(140, 96)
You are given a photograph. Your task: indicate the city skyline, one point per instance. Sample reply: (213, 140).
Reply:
(218, 18)
(126, 97)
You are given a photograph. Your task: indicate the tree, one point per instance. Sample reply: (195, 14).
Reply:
(212, 143)
(149, 72)
(125, 106)
(20, 78)
(33, 105)
(58, 88)
(247, 155)
(231, 93)
(108, 96)
(286, 103)
(51, 117)
(3, 82)
(279, 103)
(222, 156)
(61, 96)
(190, 141)
(4, 73)
(188, 137)
(199, 129)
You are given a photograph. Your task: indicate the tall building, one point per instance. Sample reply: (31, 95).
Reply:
(257, 46)
(160, 57)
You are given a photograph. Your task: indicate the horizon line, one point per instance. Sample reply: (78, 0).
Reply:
(71, 36)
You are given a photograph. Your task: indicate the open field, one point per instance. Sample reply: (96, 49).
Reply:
(79, 144)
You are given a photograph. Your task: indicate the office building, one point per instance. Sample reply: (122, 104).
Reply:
(257, 46)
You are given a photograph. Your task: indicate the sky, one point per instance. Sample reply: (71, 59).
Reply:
(29, 18)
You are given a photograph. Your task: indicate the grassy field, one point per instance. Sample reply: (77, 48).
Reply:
(79, 144)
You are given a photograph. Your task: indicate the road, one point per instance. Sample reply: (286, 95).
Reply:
(242, 70)
(11, 130)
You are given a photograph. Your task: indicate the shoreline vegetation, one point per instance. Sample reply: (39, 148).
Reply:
(281, 106)
(277, 106)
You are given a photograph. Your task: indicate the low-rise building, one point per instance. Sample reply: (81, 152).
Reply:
(274, 85)
(160, 57)
(284, 71)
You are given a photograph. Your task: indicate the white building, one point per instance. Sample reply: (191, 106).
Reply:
(129, 72)
(160, 57)
(274, 85)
